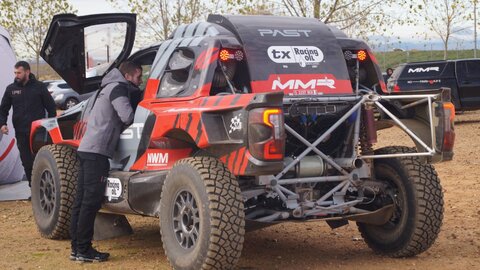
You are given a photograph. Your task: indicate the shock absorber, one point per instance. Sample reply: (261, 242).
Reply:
(368, 131)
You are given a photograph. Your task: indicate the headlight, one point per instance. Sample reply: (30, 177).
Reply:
(58, 97)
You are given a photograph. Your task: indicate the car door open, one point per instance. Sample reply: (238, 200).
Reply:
(69, 51)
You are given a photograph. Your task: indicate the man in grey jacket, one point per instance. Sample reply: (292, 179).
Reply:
(110, 115)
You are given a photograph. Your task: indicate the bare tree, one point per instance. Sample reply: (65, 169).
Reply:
(248, 7)
(443, 17)
(28, 22)
(158, 18)
(357, 17)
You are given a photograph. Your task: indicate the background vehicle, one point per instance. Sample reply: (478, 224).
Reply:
(63, 94)
(243, 126)
(461, 76)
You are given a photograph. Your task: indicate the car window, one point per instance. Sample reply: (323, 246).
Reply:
(472, 69)
(63, 86)
(145, 76)
(103, 44)
(175, 78)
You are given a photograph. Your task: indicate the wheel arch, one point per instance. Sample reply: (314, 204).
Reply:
(39, 138)
(48, 131)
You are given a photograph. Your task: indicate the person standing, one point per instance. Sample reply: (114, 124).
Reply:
(110, 115)
(31, 101)
(388, 74)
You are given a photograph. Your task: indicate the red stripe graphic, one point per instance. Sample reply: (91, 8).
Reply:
(9, 148)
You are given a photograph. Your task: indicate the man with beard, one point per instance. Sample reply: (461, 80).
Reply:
(30, 101)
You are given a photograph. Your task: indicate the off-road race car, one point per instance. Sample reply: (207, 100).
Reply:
(247, 122)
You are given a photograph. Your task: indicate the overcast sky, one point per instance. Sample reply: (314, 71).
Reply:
(86, 7)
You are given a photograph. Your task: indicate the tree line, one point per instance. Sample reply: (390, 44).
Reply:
(28, 21)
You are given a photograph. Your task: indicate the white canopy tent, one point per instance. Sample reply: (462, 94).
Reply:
(11, 169)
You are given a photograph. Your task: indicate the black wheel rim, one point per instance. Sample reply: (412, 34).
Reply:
(186, 219)
(70, 103)
(396, 197)
(47, 192)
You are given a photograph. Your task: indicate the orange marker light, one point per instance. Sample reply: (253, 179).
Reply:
(362, 55)
(266, 116)
(224, 55)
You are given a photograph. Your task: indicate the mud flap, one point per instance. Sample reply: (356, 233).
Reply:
(110, 226)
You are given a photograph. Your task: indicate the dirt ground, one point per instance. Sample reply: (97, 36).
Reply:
(287, 246)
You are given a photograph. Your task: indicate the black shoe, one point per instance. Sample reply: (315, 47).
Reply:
(92, 255)
(73, 255)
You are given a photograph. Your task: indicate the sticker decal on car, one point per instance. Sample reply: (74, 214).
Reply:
(113, 189)
(284, 33)
(421, 70)
(303, 55)
(236, 123)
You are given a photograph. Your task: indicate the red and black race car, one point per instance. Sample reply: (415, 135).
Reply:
(245, 122)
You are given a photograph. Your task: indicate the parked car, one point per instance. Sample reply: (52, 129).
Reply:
(461, 76)
(63, 94)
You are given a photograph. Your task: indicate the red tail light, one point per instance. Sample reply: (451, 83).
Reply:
(396, 88)
(266, 134)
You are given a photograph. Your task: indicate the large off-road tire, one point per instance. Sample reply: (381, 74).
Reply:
(202, 218)
(54, 179)
(415, 190)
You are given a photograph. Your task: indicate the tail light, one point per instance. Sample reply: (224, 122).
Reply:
(266, 134)
(230, 54)
(445, 131)
(396, 88)
(361, 55)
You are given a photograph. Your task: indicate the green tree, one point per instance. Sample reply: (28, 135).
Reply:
(28, 22)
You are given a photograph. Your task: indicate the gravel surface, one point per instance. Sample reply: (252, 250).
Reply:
(311, 245)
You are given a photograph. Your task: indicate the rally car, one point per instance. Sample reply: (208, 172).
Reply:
(246, 122)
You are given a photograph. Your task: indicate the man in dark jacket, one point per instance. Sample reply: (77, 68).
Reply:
(110, 115)
(29, 99)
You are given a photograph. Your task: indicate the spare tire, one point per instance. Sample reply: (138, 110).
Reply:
(54, 178)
